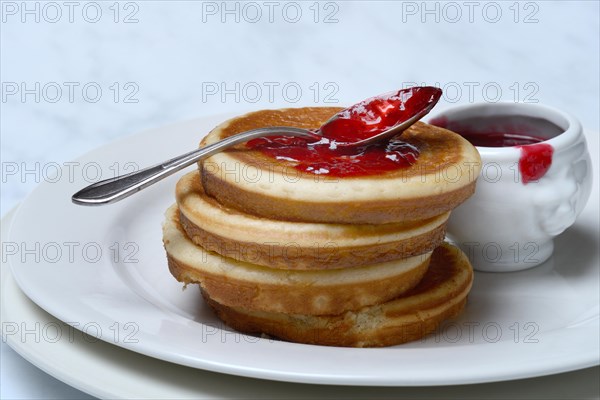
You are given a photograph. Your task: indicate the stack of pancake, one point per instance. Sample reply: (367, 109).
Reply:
(341, 261)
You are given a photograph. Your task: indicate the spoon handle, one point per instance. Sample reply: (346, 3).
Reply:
(114, 189)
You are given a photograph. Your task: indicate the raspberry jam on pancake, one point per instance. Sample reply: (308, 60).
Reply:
(361, 121)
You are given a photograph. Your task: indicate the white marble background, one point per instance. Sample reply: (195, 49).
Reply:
(175, 55)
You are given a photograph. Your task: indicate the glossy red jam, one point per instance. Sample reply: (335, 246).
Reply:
(501, 139)
(527, 133)
(377, 114)
(361, 121)
(535, 161)
(323, 158)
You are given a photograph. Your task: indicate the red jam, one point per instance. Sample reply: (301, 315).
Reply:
(377, 114)
(501, 139)
(535, 161)
(527, 133)
(361, 121)
(325, 159)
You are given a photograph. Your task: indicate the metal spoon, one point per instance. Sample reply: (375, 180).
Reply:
(390, 133)
(115, 189)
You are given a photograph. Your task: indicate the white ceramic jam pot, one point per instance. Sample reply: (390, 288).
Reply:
(535, 180)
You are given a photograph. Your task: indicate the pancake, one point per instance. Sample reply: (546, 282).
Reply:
(442, 177)
(239, 284)
(441, 294)
(298, 245)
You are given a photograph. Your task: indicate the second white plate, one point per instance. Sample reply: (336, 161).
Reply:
(103, 270)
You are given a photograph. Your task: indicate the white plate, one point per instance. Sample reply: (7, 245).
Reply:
(531, 323)
(107, 371)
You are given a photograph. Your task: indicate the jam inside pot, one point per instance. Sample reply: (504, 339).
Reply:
(361, 121)
(524, 132)
(501, 130)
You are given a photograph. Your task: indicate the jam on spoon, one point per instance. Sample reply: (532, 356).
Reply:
(334, 155)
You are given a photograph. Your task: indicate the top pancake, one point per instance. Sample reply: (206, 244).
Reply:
(442, 177)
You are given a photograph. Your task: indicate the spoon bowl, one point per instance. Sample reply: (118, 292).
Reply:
(391, 132)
